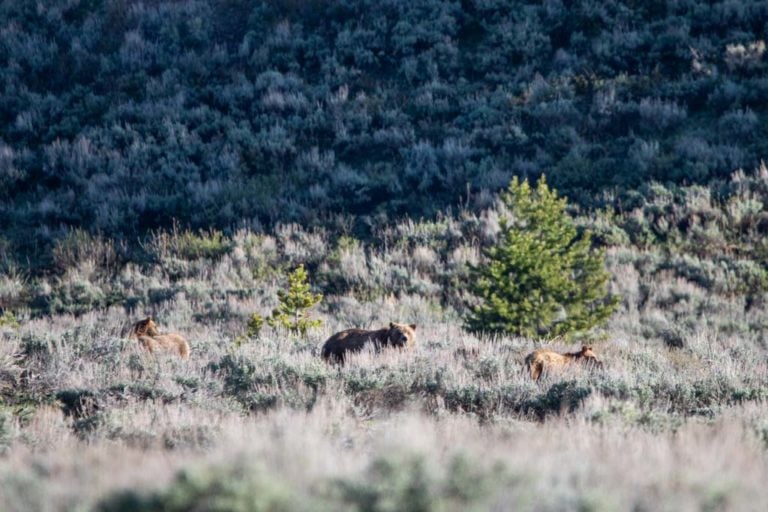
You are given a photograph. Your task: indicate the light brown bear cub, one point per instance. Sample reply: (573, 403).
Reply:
(545, 359)
(151, 339)
(353, 340)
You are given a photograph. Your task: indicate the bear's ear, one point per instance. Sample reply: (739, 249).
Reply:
(391, 325)
(413, 326)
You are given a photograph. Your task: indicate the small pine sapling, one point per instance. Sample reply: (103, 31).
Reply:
(293, 311)
(542, 278)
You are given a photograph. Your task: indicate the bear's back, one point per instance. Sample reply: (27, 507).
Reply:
(351, 340)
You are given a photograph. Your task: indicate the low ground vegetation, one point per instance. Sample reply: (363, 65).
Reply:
(271, 421)
(214, 147)
(262, 421)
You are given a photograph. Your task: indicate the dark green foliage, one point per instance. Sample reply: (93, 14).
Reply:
(124, 117)
(295, 303)
(395, 482)
(487, 402)
(542, 277)
(406, 482)
(252, 330)
(245, 381)
(483, 402)
(230, 489)
(392, 485)
(560, 398)
(35, 346)
(255, 323)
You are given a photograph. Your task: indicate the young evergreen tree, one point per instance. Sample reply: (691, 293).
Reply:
(293, 311)
(541, 278)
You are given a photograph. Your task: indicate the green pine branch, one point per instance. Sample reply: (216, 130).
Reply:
(541, 278)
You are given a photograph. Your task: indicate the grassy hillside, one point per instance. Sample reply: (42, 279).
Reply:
(178, 159)
(121, 116)
(269, 426)
(88, 421)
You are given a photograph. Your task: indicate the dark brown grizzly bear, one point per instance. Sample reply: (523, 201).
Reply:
(353, 340)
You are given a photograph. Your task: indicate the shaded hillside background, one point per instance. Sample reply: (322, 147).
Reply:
(120, 116)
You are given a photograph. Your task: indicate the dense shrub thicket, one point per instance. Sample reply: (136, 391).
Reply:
(121, 116)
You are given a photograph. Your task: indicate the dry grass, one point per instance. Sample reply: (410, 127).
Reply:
(675, 420)
(564, 464)
(657, 429)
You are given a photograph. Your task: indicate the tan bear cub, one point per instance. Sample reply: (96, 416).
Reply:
(546, 360)
(354, 340)
(151, 339)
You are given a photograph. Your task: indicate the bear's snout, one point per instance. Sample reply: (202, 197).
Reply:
(399, 340)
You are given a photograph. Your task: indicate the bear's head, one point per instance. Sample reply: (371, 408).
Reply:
(589, 357)
(401, 335)
(146, 327)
